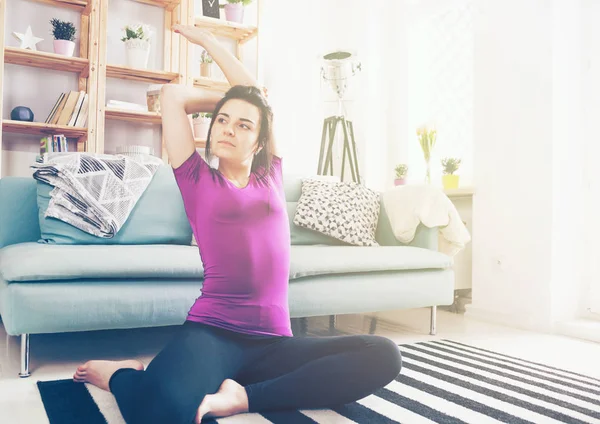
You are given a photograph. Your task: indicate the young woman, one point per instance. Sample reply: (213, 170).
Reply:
(235, 352)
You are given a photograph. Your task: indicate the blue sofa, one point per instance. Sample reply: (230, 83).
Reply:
(50, 287)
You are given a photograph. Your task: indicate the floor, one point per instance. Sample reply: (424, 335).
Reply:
(56, 356)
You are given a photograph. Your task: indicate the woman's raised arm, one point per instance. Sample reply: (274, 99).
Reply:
(176, 103)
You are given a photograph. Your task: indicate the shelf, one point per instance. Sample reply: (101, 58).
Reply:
(460, 192)
(211, 84)
(133, 116)
(169, 5)
(25, 57)
(200, 143)
(144, 75)
(78, 5)
(41, 129)
(223, 28)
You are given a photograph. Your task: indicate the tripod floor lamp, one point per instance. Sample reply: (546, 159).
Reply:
(337, 68)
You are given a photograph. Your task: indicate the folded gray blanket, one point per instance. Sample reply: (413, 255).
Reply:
(95, 192)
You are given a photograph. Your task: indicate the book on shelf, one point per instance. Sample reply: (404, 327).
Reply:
(119, 104)
(69, 110)
(53, 143)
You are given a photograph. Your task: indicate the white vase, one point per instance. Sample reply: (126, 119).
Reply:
(137, 53)
(234, 12)
(201, 127)
(64, 47)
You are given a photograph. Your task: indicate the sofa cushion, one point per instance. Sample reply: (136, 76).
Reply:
(157, 218)
(39, 262)
(320, 260)
(43, 262)
(346, 211)
(300, 235)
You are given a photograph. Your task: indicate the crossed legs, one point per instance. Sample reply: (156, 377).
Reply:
(206, 370)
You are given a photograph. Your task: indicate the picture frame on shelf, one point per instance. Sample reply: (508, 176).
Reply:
(210, 8)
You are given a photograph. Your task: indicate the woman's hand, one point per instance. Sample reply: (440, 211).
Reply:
(194, 34)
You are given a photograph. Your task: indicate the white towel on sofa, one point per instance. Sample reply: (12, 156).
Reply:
(408, 206)
(95, 192)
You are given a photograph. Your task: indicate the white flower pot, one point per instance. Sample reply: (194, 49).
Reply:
(201, 128)
(234, 12)
(64, 47)
(137, 53)
(205, 69)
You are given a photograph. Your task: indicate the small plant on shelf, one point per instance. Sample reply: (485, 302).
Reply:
(451, 165)
(401, 170)
(63, 30)
(205, 64)
(64, 36)
(137, 32)
(205, 57)
(201, 124)
(137, 45)
(234, 10)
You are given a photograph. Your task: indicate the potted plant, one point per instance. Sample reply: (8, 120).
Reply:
(64, 36)
(449, 180)
(201, 124)
(401, 170)
(234, 10)
(205, 64)
(137, 45)
(427, 138)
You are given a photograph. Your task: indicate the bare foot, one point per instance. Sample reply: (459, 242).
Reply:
(98, 373)
(231, 399)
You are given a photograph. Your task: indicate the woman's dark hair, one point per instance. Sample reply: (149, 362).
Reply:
(254, 96)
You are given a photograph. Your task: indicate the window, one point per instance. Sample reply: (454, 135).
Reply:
(440, 82)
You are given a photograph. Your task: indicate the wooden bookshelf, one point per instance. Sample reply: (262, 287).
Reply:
(211, 84)
(78, 5)
(91, 67)
(168, 5)
(38, 59)
(132, 116)
(42, 129)
(143, 75)
(219, 27)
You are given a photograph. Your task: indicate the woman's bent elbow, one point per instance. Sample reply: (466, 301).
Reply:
(170, 93)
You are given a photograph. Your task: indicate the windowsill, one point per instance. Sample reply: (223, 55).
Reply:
(581, 328)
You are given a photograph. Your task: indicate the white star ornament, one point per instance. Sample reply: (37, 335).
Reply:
(28, 40)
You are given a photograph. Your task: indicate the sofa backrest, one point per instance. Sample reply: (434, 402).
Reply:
(18, 211)
(19, 220)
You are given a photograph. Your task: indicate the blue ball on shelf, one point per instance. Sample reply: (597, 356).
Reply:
(21, 113)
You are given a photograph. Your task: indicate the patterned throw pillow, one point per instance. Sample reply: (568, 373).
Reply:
(346, 211)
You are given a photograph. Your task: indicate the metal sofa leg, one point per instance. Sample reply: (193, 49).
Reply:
(24, 356)
(332, 322)
(303, 326)
(373, 325)
(433, 329)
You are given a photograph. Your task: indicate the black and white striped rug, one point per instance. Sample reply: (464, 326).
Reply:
(441, 382)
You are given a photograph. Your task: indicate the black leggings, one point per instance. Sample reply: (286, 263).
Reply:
(278, 373)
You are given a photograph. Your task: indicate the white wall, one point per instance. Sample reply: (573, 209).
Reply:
(512, 159)
(528, 157)
(591, 99)
(568, 145)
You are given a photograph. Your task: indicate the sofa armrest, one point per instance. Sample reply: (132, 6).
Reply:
(19, 221)
(427, 238)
